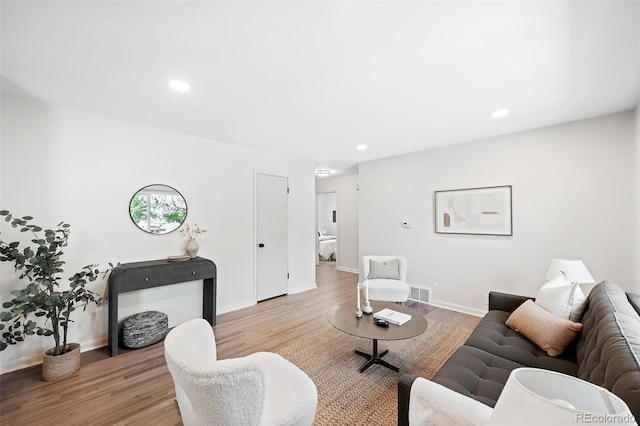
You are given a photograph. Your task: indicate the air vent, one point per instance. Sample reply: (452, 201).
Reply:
(420, 294)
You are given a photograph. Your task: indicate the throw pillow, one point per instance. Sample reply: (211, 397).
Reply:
(562, 298)
(550, 332)
(384, 270)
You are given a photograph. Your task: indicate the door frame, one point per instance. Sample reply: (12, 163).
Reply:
(257, 172)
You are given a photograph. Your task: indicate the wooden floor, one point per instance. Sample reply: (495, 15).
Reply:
(135, 388)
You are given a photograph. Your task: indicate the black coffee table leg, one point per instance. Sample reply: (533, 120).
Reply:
(376, 358)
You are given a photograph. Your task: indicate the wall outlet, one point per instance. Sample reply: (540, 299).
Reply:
(436, 287)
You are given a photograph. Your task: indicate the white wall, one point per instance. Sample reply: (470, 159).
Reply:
(346, 189)
(64, 165)
(327, 204)
(573, 197)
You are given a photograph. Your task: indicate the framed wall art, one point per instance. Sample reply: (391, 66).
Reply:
(476, 211)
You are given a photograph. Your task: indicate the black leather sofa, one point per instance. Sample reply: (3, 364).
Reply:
(605, 353)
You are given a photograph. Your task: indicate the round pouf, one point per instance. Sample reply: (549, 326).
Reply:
(144, 329)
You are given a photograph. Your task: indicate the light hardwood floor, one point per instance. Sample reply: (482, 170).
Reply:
(135, 387)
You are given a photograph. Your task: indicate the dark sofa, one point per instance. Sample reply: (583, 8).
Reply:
(606, 352)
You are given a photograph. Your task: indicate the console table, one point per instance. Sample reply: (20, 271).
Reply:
(156, 273)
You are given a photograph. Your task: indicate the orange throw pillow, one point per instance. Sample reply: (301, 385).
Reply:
(550, 332)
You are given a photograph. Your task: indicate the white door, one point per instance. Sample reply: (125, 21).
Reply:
(272, 239)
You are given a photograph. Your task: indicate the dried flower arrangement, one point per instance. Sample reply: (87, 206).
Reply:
(192, 232)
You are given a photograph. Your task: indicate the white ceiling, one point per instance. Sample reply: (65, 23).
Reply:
(314, 79)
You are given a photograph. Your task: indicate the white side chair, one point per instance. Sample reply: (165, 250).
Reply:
(386, 289)
(260, 389)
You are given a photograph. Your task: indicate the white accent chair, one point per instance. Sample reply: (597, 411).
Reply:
(259, 389)
(385, 289)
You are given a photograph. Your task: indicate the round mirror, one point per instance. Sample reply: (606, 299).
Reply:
(158, 209)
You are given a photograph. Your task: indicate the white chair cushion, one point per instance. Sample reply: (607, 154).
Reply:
(291, 396)
(433, 404)
(387, 290)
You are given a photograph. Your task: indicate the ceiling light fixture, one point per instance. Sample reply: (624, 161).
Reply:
(323, 172)
(499, 113)
(361, 147)
(180, 86)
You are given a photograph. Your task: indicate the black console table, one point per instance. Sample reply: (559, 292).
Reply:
(156, 273)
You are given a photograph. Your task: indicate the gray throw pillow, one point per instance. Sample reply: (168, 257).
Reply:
(384, 270)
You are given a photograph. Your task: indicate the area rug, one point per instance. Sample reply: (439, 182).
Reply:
(348, 397)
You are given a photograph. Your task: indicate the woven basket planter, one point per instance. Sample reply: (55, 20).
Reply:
(60, 367)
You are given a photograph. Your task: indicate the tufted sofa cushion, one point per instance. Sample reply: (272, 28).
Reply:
(493, 336)
(608, 349)
(480, 368)
(476, 374)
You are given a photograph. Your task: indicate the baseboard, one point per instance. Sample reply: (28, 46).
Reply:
(345, 269)
(36, 359)
(459, 308)
(303, 288)
(23, 362)
(100, 342)
(235, 307)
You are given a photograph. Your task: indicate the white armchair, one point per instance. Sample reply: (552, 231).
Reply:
(387, 280)
(260, 389)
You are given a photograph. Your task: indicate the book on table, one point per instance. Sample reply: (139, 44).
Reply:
(393, 317)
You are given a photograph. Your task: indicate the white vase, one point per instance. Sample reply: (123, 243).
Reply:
(191, 247)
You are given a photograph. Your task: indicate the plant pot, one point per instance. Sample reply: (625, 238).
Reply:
(61, 367)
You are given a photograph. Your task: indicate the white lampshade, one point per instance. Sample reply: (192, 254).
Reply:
(533, 396)
(573, 270)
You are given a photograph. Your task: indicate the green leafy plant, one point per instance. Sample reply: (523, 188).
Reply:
(43, 296)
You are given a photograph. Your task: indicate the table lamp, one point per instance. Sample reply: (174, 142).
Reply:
(573, 270)
(533, 396)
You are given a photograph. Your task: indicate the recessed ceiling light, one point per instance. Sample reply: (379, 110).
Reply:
(499, 113)
(181, 86)
(323, 172)
(361, 147)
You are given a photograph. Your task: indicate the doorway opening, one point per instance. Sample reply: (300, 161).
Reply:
(327, 228)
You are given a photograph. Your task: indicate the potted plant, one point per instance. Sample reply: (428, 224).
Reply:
(43, 297)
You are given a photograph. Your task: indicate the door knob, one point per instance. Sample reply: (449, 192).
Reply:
(260, 245)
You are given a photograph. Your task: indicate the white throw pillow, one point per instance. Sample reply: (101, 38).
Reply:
(562, 298)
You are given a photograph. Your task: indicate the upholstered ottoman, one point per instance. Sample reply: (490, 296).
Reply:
(144, 329)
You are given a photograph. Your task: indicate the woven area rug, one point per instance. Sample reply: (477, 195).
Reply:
(348, 397)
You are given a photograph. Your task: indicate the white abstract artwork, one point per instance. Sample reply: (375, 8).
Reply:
(483, 211)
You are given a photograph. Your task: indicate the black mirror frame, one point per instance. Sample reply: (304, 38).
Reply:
(186, 208)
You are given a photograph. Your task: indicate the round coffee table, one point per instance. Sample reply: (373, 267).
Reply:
(343, 317)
